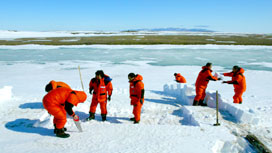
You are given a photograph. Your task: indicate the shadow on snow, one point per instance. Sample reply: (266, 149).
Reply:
(34, 105)
(26, 126)
(115, 120)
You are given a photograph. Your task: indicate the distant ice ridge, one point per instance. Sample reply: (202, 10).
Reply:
(209, 46)
(186, 93)
(265, 64)
(11, 34)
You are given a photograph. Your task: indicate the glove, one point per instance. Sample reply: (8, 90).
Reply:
(109, 98)
(141, 101)
(76, 118)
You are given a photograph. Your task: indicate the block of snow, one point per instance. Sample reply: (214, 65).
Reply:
(185, 94)
(5, 93)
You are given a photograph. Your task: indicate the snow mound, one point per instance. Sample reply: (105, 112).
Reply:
(5, 93)
(186, 93)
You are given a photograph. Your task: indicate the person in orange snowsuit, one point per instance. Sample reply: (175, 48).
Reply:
(59, 101)
(54, 85)
(136, 90)
(204, 76)
(179, 78)
(239, 83)
(101, 89)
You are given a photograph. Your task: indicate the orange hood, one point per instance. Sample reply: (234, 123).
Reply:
(54, 84)
(241, 70)
(138, 77)
(81, 96)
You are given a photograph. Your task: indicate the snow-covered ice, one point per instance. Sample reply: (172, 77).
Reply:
(11, 34)
(168, 124)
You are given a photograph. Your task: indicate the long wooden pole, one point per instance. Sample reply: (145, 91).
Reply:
(217, 110)
(80, 78)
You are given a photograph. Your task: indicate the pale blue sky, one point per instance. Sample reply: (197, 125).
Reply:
(253, 16)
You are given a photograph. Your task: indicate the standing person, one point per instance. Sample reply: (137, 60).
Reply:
(58, 102)
(179, 78)
(100, 87)
(204, 76)
(54, 85)
(136, 90)
(239, 83)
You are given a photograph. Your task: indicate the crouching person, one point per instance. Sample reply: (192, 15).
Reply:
(59, 101)
(136, 90)
(179, 78)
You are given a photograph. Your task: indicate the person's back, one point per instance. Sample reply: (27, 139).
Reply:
(57, 96)
(56, 84)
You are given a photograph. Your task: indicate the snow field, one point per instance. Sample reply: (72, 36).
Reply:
(168, 124)
(174, 120)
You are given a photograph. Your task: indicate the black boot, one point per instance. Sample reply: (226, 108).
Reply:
(195, 103)
(136, 122)
(55, 130)
(91, 117)
(104, 117)
(60, 133)
(132, 119)
(201, 103)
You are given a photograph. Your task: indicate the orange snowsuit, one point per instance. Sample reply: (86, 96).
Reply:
(239, 83)
(54, 102)
(180, 78)
(136, 90)
(102, 88)
(202, 81)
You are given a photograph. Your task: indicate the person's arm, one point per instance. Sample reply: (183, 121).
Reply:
(68, 108)
(91, 86)
(211, 77)
(230, 74)
(109, 90)
(141, 91)
(235, 80)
